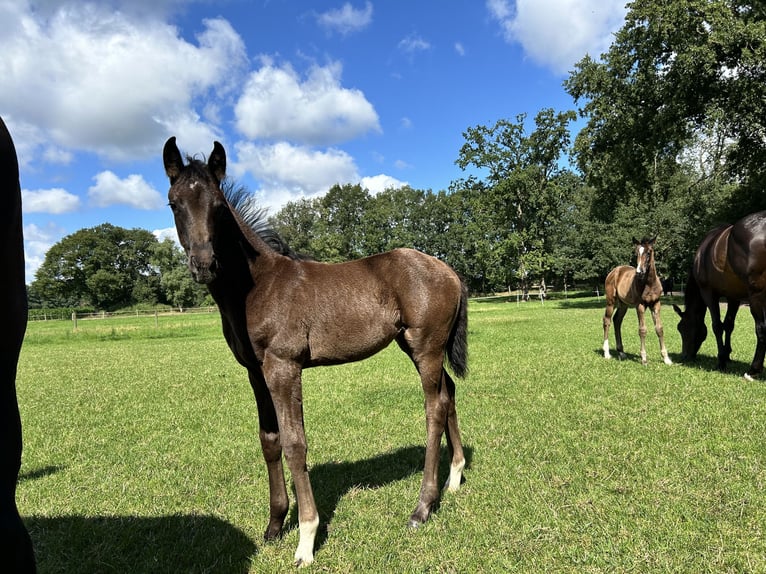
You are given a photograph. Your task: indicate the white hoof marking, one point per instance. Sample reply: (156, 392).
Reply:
(455, 476)
(304, 555)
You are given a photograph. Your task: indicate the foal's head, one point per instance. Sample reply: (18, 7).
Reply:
(644, 255)
(197, 202)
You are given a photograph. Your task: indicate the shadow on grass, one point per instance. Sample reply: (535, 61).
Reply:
(40, 472)
(710, 363)
(701, 363)
(332, 480)
(179, 543)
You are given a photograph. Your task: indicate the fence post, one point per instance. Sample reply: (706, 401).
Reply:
(74, 319)
(156, 318)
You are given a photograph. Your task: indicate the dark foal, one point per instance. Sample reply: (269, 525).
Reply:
(282, 314)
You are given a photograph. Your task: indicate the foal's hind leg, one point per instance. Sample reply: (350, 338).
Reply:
(454, 444)
(617, 319)
(439, 392)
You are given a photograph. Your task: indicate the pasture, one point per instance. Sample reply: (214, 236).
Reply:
(141, 452)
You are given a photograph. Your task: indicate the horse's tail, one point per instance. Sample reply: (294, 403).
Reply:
(457, 345)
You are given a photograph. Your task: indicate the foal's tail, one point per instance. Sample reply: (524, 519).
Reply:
(457, 345)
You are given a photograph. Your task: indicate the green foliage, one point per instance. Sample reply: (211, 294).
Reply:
(524, 193)
(674, 71)
(110, 267)
(141, 453)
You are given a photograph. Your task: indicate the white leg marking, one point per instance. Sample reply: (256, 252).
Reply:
(304, 555)
(607, 355)
(455, 476)
(749, 378)
(666, 358)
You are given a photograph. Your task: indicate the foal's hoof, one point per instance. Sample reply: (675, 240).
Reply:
(419, 517)
(272, 533)
(414, 524)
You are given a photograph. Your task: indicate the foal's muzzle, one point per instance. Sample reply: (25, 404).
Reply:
(203, 269)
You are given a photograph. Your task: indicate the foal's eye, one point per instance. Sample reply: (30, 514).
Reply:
(172, 205)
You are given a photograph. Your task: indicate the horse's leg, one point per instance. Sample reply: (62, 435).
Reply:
(660, 332)
(732, 307)
(271, 447)
(439, 392)
(283, 379)
(617, 319)
(718, 330)
(454, 444)
(758, 310)
(641, 312)
(608, 312)
(436, 407)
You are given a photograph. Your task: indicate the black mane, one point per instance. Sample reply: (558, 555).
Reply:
(255, 217)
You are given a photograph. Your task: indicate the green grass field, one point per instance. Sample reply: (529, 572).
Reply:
(141, 453)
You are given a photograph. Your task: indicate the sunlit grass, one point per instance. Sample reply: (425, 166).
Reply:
(141, 453)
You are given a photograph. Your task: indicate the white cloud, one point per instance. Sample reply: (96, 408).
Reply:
(381, 182)
(132, 191)
(166, 233)
(278, 104)
(288, 172)
(459, 48)
(90, 77)
(558, 33)
(414, 43)
(37, 241)
(346, 19)
(55, 201)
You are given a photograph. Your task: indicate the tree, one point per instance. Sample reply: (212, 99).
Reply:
(99, 266)
(340, 234)
(176, 284)
(516, 206)
(675, 70)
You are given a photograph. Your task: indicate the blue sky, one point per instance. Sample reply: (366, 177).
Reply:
(302, 95)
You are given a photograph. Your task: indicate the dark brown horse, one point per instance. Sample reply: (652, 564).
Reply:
(282, 314)
(730, 263)
(638, 287)
(16, 553)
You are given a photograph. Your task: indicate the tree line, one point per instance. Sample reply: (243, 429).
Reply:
(671, 142)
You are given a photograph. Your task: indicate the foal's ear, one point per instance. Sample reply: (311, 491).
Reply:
(174, 163)
(636, 241)
(217, 162)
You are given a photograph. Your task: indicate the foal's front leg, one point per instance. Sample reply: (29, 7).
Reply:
(271, 447)
(283, 379)
(641, 310)
(660, 332)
